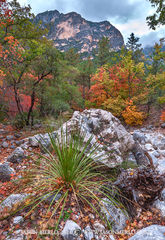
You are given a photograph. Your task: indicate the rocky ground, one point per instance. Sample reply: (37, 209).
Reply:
(16, 154)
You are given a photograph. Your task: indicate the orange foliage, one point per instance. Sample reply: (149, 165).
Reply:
(113, 82)
(132, 116)
(163, 116)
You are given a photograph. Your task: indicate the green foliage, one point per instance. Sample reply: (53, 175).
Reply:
(158, 18)
(69, 171)
(133, 45)
(72, 57)
(19, 121)
(103, 51)
(67, 214)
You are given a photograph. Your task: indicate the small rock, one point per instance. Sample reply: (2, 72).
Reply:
(34, 141)
(17, 220)
(9, 137)
(12, 147)
(131, 158)
(161, 167)
(2, 131)
(143, 129)
(137, 136)
(162, 152)
(161, 206)
(156, 154)
(149, 147)
(99, 230)
(162, 144)
(88, 233)
(49, 198)
(5, 172)
(18, 143)
(13, 199)
(25, 145)
(16, 156)
(5, 145)
(163, 194)
(153, 232)
(16, 235)
(114, 214)
(17, 135)
(150, 127)
(45, 142)
(71, 231)
(1, 136)
(163, 125)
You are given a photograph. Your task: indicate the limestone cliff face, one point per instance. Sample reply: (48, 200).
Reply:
(71, 30)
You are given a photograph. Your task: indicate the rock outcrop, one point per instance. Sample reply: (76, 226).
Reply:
(153, 232)
(112, 139)
(71, 30)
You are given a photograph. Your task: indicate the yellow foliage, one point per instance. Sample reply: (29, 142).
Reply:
(132, 116)
(114, 105)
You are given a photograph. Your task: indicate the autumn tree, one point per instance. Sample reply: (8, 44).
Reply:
(114, 86)
(18, 47)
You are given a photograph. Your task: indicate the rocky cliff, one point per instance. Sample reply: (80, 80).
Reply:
(71, 30)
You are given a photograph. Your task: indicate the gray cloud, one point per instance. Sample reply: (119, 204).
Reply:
(151, 38)
(97, 10)
(128, 15)
(121, 9)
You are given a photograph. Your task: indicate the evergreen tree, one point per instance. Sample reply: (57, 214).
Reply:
(134, 46)
(72, 56)
(103, 51)
(86, 68)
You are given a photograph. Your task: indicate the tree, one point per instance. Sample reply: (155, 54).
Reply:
(17, 55)
(114, 86)
(134, 46)
(86, 68)
(72, 57)
(158, 18)
(157, 58)
(103, 51)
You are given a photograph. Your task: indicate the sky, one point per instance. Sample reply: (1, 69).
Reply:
(126, 15)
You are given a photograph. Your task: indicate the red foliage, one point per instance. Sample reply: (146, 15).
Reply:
(163, 116)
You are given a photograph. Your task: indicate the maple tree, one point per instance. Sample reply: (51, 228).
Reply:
(113, 86)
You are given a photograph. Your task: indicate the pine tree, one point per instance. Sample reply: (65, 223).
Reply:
(103, 51)
(134, 46)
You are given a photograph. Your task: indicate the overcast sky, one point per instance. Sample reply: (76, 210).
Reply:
(126, 15)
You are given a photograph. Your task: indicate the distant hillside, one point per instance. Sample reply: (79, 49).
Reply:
(71, 30)
(148, 50)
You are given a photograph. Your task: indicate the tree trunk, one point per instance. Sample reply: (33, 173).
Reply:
(18, 102)
(31, 108)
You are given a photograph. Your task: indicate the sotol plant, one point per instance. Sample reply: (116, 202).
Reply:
(67, 173)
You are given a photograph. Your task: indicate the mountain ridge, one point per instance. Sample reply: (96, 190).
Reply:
(72, 30)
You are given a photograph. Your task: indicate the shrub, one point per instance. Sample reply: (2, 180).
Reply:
(19, 121)
(68, 170)
(132, 116)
